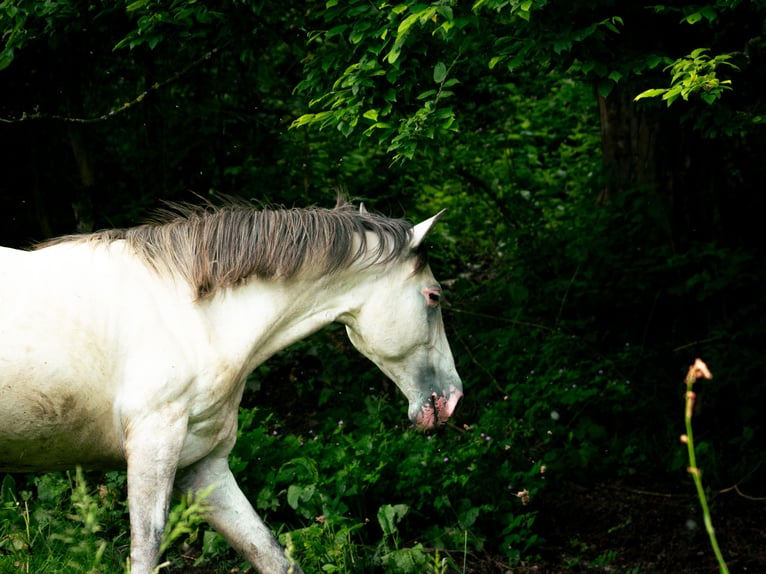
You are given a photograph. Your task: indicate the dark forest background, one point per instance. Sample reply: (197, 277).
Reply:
(595, 244)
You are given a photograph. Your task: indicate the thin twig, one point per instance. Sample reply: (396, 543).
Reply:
(37, 115)
(746, 496)
(503, 319)
(478, 364)
(695, 343)
(566, 293)
(735, 487)
(646, 492)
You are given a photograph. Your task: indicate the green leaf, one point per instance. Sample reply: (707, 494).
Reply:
(709, 13)
(404, 28)
(395, 52)
(561, 45)
(153, 41)
(672, 94)
(654, 60)
(6, 57)
(8, 490)
(377, 126)
(293, 495)
(467, 518)
(406, 560)
(389, 516)
(605, 88)
(137, 5)
(297, 494)
(407, 23)
(698, 52)
(653, 93)
(303, 120)
(336, 30)
(440, 72)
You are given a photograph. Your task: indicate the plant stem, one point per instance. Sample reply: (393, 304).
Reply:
(465, 548)
(699, 370)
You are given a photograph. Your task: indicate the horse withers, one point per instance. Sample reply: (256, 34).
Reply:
(130, 348)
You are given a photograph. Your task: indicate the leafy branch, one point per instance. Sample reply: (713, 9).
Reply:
(694, 74)
(375, 89)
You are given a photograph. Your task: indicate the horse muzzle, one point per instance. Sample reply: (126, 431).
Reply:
(436, 409)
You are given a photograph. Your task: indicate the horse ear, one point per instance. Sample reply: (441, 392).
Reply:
(422, 228)
(362, 208)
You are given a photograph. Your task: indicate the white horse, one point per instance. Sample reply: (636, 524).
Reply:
(131, 347)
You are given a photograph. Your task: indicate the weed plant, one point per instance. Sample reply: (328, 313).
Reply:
(54, 523)
(698, 371)
(67, 527)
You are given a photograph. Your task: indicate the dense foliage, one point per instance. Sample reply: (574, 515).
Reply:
(580, 283)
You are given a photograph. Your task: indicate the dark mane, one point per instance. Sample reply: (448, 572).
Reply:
(212, 248)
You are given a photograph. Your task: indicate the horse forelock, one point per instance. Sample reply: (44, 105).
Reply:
(214, 248)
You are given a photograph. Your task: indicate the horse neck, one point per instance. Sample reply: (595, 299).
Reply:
(253, 321)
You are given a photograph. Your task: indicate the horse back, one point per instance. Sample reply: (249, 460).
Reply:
(71, 316)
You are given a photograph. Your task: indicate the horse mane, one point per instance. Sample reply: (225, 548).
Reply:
(216, 247)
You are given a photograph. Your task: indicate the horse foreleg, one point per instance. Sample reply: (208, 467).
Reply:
(234, 518)
(152, 449)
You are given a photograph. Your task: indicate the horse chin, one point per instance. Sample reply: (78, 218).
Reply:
(436, 410)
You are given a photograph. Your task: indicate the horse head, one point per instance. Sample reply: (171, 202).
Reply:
(399, 327)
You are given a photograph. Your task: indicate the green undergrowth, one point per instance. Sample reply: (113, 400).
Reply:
(361, 494)
(59, 523)
(366, 493)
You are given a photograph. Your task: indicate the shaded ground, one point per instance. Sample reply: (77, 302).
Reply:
(616, 528)
(613, 528)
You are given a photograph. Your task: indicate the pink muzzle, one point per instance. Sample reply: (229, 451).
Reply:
(439, 409)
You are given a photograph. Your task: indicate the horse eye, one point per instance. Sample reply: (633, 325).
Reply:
(433, 297)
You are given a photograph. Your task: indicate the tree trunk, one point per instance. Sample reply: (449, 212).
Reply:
(649, 149)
